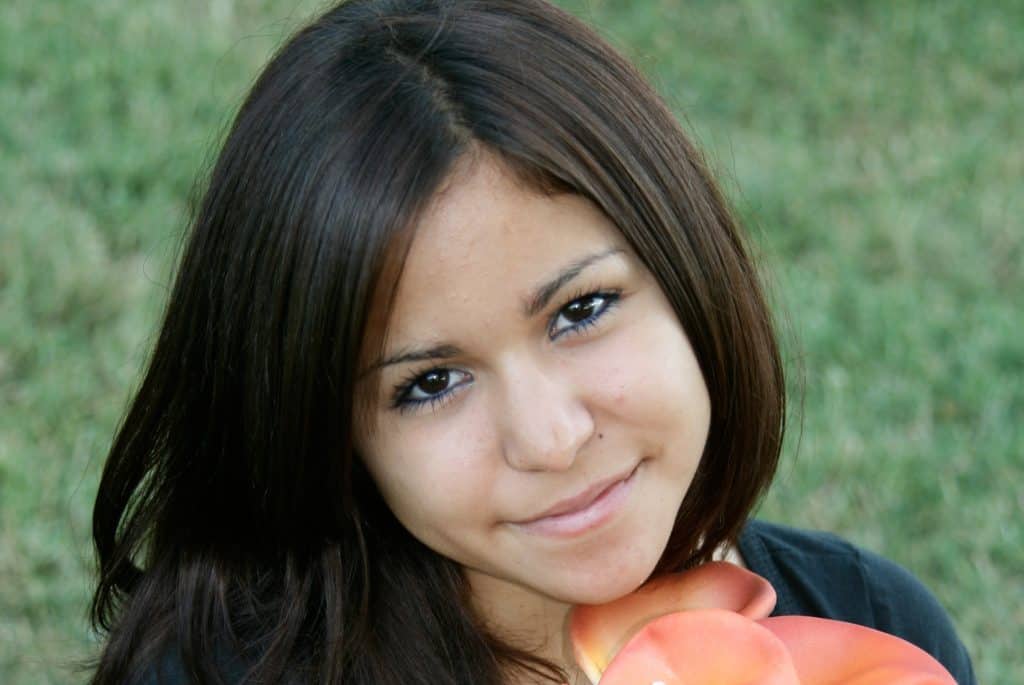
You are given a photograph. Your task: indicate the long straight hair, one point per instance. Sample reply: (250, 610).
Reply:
(238, 534)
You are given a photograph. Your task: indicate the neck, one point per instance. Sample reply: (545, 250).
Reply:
(536, 623)
(527, 620)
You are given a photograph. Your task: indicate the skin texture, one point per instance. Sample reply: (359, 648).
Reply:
(536, 412)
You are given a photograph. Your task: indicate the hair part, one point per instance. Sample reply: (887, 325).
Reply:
(235, 525)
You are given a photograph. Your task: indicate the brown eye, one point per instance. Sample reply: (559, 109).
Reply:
(579, 310)
(581, 313)
(432, 385)
(433, 382)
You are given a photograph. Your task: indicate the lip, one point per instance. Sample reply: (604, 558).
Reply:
(582, 500)
(591, 508)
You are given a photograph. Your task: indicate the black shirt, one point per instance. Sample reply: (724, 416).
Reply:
(815, 574)
(820, 574)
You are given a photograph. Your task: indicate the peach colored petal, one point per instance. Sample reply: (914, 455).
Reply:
(701, 647)
(827, 652)
(598, 631)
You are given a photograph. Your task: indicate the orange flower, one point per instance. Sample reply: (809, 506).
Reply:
(711, 626)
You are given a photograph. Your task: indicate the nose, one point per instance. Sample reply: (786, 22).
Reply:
(544, 421)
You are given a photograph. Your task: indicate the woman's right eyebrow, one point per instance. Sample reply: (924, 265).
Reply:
(531, 306)
(406, 356)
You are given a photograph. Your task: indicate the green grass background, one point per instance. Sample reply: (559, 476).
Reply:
(874, 149)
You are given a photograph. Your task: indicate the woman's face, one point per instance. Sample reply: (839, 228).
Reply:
(531, 358)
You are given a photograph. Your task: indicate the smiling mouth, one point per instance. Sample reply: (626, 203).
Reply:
(591, 509)
(582, 500)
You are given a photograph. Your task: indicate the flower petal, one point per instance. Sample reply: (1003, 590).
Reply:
(598, 631)
(701, 647)
(827, 652)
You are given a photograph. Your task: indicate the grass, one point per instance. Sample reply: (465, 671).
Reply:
(874, 149)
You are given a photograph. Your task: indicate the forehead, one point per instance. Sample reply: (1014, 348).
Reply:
(488, 236)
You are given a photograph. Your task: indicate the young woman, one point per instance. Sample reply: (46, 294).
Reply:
(463, 335)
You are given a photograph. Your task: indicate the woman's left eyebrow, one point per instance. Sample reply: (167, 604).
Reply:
(533, 304)
(543, 293)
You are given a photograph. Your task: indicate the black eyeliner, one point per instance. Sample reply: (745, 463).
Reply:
(402, 388)
(612, 295)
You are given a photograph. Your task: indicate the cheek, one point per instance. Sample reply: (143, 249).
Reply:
(647, 373)
(430, 477)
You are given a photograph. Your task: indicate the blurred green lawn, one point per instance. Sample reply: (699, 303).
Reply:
(874, 149)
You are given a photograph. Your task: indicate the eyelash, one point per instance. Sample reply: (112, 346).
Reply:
(402, 389)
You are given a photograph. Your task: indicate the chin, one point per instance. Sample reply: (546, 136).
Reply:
(606, 583)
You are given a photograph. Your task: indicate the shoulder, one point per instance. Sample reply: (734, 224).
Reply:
(820, 574)
(170, 669)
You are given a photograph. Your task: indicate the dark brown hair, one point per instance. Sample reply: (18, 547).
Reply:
(238, 534)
